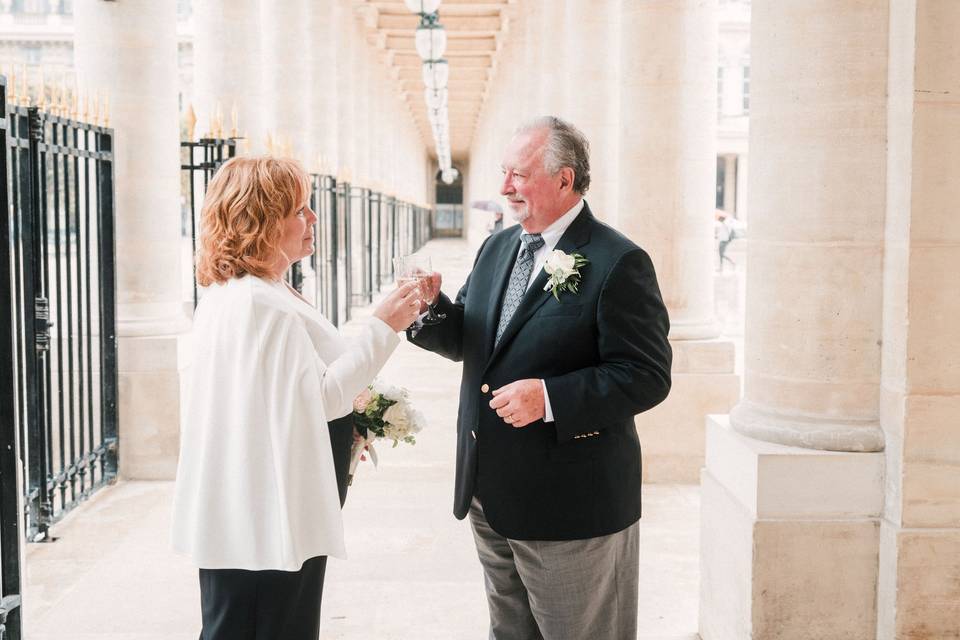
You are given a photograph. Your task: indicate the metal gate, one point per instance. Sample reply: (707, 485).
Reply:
(58, 410)
(198, 162)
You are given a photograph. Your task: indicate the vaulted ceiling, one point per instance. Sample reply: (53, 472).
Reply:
(475, 32)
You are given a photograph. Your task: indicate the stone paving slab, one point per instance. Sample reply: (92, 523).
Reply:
(412, 571)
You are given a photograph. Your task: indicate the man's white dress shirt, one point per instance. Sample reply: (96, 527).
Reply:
(551, 236)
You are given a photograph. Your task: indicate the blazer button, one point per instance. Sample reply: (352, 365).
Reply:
(485, 388)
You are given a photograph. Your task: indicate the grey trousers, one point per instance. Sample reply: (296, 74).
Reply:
(559, 590)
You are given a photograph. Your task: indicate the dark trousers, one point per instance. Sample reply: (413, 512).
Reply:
(262, 605)
(237, 604)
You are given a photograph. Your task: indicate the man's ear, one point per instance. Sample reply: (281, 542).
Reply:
(566, 178)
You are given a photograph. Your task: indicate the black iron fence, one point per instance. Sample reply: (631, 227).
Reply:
(58, 410)
(358, 233)
(198, 162)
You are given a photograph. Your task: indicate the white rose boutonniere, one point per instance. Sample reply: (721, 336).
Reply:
(564, 271)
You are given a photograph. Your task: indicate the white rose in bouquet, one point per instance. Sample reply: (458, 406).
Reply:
(383, 412)
(396, 422)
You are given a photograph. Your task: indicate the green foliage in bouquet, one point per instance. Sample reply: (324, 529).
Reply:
(376, 420)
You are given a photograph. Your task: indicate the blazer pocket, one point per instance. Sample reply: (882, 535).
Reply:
(577, 450)
(561, 310)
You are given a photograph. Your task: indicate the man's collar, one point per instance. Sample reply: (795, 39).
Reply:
(551, 235)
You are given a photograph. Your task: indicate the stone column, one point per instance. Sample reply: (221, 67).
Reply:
(667, 175)
(729, 183)
(591, 94)
(286, 74)
(920, 382)
(323, 62)
(743, 171)
(531, 63)
(555, 57)
(793, 485)
(347, 51)
(129, 50)
(227, 67)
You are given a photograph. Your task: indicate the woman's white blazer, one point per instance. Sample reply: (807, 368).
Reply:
(256, 487)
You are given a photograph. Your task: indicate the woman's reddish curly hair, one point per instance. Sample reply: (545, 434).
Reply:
(242, 217)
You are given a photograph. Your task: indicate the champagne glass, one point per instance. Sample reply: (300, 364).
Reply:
(417, 268)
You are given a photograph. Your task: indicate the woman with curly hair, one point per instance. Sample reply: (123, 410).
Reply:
(256, 505)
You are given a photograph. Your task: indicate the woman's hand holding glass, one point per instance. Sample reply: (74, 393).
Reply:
(401, 307)
(416, 268)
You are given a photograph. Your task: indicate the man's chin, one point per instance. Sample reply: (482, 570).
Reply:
(519, 214)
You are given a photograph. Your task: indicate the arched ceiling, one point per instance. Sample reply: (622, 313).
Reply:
(475, 32)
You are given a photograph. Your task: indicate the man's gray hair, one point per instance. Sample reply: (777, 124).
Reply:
(566, 147)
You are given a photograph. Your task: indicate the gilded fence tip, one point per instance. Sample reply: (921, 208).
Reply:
(42, 91)
(234, 120)
(106, 109)
(190, 121)
(216, 124)
(24, 89)
(95, 116)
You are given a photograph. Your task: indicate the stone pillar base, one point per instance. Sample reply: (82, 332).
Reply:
(789, 540)
(149, 407)
(671, 434)
(919, 590)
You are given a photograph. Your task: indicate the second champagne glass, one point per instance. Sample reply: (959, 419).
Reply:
(417, 267)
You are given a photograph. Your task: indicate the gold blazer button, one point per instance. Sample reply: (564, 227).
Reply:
(485, 388)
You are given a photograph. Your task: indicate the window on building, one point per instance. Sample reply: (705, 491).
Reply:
(31, 54)
(746, 89)
(719, 89)
(31, 6)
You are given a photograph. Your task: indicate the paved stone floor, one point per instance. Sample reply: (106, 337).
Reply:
(412, 571)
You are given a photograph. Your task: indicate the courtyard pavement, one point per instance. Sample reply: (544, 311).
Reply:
(412, 571)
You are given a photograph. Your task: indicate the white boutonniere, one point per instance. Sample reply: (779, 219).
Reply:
(564, 271)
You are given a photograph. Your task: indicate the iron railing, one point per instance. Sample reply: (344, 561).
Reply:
(198, 162)
(358, 233)
(58, 410)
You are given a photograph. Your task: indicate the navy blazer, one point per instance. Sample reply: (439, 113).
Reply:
(604, 355)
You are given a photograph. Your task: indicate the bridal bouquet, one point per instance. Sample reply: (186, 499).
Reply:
(382, 412)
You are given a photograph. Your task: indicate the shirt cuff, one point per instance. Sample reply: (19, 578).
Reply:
(547, 411)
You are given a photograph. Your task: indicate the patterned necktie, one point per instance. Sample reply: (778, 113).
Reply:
(519, 278)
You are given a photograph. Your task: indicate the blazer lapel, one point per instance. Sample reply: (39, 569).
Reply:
(576, 235)
(501, 276)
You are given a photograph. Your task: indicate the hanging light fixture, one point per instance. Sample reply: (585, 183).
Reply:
(436, 74)
(431, 40)
(435, 99)
(422, 6)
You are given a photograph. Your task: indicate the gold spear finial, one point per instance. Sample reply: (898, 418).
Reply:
(234, 120)
(75, 106)
(86, 107)
(12, 85)
(190, 121)
(96, 107)
(269, 144)
(216, 126)
(24, 89)
(243, 145)
(42, 92)
(106, 108)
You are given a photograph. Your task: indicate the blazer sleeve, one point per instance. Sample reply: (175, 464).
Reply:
(635, 356)
(446, 337)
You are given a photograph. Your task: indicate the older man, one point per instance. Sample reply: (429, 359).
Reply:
(555, 367)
